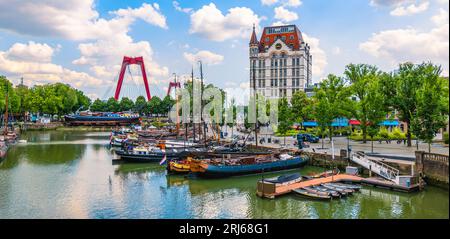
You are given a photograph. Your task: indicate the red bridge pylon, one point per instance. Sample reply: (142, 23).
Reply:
(132, 61)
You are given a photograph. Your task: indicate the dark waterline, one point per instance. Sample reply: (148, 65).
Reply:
(66, 175)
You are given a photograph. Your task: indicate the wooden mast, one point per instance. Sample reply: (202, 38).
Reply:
(193, 123)
(254, 99)
(5, 131)
(201, 100)
(176, 98)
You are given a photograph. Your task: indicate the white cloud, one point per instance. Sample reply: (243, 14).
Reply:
(401, 45)
(105, 41)
(319, 57)
(285, 15)
(71, 19)
(30, 52)
(389, 2)
(148, 13)
(209, 22)
(177, 7)
(293, 3)
(109, 53)
(441, 18)
(206, 57)
(410, 10)
(337, 50)
(20, 61)
(268, 2)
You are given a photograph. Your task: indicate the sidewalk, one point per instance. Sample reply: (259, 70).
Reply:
(341, 143)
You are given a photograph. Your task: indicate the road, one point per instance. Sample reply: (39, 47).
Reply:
(341, 143)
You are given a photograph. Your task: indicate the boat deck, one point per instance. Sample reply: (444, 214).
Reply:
(271, 190)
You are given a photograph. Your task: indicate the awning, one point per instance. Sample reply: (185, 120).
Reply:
(310, 124)
(354, 122)
(389, 123)
(341, 122)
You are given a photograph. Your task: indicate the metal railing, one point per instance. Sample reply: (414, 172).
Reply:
(382, 169)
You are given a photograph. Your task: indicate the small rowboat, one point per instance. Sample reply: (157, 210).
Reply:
(283, 178)
(339, 189)
(333, 193)
(318, 192)
(345, 185)
(308, 194)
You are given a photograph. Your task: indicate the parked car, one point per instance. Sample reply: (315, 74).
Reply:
(308, 138)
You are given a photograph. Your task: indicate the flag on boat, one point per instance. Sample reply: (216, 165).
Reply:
(164, 157)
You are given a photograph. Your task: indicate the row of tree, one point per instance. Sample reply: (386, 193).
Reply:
(155, 106)
(416, 94)
(52, 99)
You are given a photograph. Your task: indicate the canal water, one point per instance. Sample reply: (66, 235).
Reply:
(70, 175)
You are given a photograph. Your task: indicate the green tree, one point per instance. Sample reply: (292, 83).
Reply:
(24, 94)
(234, 115)
(140, 105)
(13, 98)
(375, 111)
(331, 101)
(299, 106)
(361, 76)
(408, 80)
(284, 118)
(432, 105)
(113, 105)
(154, 106)
(83, 102)
(126, 104)
(99, 106)
(166, 105)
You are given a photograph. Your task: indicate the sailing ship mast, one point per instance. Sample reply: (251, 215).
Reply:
(201, 102)
(176, 98)
(193, 123)
(5, 131)
(256, 110)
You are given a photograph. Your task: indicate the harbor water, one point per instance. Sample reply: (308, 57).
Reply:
(69, 174)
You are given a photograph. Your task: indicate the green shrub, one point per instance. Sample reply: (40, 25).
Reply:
(384, 133)
(446, 138)
(397, 134)
(290, 132)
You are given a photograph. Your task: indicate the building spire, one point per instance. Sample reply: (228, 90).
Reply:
(253, 39)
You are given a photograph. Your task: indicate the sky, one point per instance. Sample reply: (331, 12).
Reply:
(82, 42)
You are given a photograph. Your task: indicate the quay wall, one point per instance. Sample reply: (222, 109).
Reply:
(60, 126)
(433, 168)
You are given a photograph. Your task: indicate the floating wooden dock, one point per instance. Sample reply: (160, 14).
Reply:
(382, 183)
(271, 190)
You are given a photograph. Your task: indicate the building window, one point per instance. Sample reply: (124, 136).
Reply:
(283, 38)
(291, 37)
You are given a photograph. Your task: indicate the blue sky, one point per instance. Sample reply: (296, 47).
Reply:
(81, 42)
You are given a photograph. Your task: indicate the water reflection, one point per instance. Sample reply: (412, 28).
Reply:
(73, 177)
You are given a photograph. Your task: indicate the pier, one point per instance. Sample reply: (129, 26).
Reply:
(272, 190)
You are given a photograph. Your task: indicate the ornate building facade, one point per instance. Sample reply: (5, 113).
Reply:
(280, 62)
